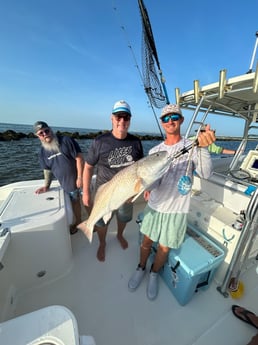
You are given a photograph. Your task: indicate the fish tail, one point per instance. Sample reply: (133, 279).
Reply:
(86, 229)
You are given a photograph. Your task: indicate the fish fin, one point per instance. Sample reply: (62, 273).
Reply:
(138, 188)
(107, 217)
(87, 230)
(138, 185)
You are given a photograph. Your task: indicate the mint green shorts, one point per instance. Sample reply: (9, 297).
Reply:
(168, 229)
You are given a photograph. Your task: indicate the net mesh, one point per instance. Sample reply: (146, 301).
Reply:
(152, 84)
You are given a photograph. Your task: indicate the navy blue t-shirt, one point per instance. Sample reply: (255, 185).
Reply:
(111, 155)
(62, 164)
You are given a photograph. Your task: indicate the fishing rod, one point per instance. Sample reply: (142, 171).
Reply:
(140, 74)
(149, 48)
(154, 88)
(185, 149)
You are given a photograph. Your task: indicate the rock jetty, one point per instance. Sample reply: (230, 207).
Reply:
(12, 135)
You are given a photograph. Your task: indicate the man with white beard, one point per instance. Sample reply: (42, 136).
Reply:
(62, 157)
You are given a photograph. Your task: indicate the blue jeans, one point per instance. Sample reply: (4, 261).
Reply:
(75, 194)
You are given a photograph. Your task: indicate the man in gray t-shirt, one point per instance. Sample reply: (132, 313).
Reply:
(110, 153)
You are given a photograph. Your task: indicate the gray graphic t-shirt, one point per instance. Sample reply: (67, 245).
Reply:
(111, 155)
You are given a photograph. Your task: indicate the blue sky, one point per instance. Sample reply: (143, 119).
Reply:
(68, 61)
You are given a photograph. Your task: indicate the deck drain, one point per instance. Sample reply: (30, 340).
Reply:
(41, 274)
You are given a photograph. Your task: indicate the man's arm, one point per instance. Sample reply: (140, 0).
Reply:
(87, 176)
(228, 152)
(205, 138)
(79, 167)
(48, 179)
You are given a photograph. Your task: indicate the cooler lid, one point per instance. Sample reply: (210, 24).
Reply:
(198, 254)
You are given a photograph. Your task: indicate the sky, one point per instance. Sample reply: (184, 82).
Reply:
(68, 61)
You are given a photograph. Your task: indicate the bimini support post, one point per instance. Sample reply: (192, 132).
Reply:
(255, 84)
(254, 53)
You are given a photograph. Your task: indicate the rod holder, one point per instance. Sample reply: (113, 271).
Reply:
(196, 91)
(222, 82)
(177, 94)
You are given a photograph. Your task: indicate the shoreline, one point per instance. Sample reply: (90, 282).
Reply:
(10, 135)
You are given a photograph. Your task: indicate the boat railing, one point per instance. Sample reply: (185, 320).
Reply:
(235, 98)
(219, 178)
(243, 247)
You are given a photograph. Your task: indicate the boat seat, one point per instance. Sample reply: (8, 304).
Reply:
(213, 218)
(209, 215)
(50, 325)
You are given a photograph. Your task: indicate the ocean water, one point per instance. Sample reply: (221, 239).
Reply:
(19, 159)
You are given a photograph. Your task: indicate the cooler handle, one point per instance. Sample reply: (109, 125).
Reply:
(205, 283)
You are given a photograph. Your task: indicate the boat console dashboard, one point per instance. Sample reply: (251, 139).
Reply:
(250, 164)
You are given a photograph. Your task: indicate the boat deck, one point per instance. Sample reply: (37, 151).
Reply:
(96, 292)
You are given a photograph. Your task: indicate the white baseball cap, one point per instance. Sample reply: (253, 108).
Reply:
(171, 109)
(121, 107)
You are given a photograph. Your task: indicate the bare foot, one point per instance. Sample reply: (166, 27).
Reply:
(123, 242)
(101, 252)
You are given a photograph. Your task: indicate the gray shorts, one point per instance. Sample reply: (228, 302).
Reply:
(124, 214)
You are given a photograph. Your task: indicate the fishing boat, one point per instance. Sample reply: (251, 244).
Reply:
(54, 291)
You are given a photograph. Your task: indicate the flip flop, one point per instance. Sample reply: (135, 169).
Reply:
(244, 315)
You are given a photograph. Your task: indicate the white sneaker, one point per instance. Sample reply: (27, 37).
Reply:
(136, 278)
(152, 286)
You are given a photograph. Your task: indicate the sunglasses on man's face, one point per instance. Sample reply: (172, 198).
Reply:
(43, 132)
(172, 117)
(124, 117)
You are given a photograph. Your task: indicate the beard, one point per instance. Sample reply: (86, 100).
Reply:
(53, 146)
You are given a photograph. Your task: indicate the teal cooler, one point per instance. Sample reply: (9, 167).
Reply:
(192, 266)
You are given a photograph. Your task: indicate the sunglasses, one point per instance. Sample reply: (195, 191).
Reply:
(124, 117)
(172, 117)
(44, 131)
